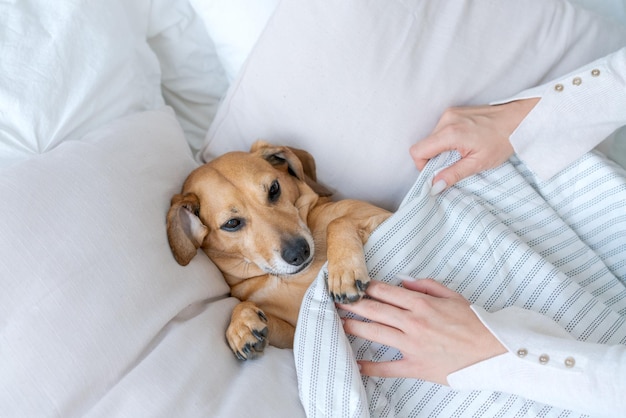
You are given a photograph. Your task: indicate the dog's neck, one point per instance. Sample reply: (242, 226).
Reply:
(277, 296)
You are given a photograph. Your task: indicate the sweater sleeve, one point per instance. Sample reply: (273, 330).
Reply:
(545, 364)
(576, 112)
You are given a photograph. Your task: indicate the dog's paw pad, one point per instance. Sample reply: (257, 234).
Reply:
(260, 335)
(251, 350)
(361, 285)
(347, 287)
(262, 315)
(247, 333)
(344, 298)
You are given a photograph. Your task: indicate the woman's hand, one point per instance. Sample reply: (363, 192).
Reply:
(433, 327)
(479, 133)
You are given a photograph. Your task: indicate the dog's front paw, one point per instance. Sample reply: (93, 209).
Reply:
(346, 283)
(247, 333)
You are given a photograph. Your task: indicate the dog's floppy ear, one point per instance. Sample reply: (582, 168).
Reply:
(299, 162)
(185, 230)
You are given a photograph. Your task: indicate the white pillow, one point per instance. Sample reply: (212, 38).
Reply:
(193, 80)
(96, 316)
(88, 284)
(234, 26)
(68, 67)
(356, 83)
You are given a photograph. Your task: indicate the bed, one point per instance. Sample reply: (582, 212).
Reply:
(106, 106)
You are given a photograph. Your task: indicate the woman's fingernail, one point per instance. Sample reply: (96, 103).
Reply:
(406, 277)
(438, 187)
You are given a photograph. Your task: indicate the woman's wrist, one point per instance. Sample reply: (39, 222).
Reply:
(516, 111)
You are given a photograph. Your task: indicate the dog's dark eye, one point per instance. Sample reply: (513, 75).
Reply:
(232, 225)
(274, 192)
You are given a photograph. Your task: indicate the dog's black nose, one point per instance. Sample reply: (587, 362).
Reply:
(296, 251)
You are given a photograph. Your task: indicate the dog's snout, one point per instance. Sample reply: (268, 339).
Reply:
(296, 251)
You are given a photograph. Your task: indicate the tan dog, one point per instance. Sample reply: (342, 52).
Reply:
(269, 227)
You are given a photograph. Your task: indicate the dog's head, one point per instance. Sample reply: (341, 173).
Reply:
(248, 211)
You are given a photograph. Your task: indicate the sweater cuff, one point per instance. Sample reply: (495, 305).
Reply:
(575, 113)
(545, 364)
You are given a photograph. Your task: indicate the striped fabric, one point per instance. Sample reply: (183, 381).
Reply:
(501, 238)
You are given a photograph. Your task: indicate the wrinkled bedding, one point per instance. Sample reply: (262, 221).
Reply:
(501, 239)
(97, 319)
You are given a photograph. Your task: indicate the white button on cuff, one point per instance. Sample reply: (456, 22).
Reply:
(570, 362)
(544, 359)
(595, 72)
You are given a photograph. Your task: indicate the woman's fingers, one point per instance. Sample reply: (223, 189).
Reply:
(427, 148)
(385, 368)
(404, 368)
(458, 171)
(432, 326)
(389, 309)
(373, 331)
(404, 297)
(385, 307)
(429, 287)
(390, 294)
(479, 133)
(388, 303)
